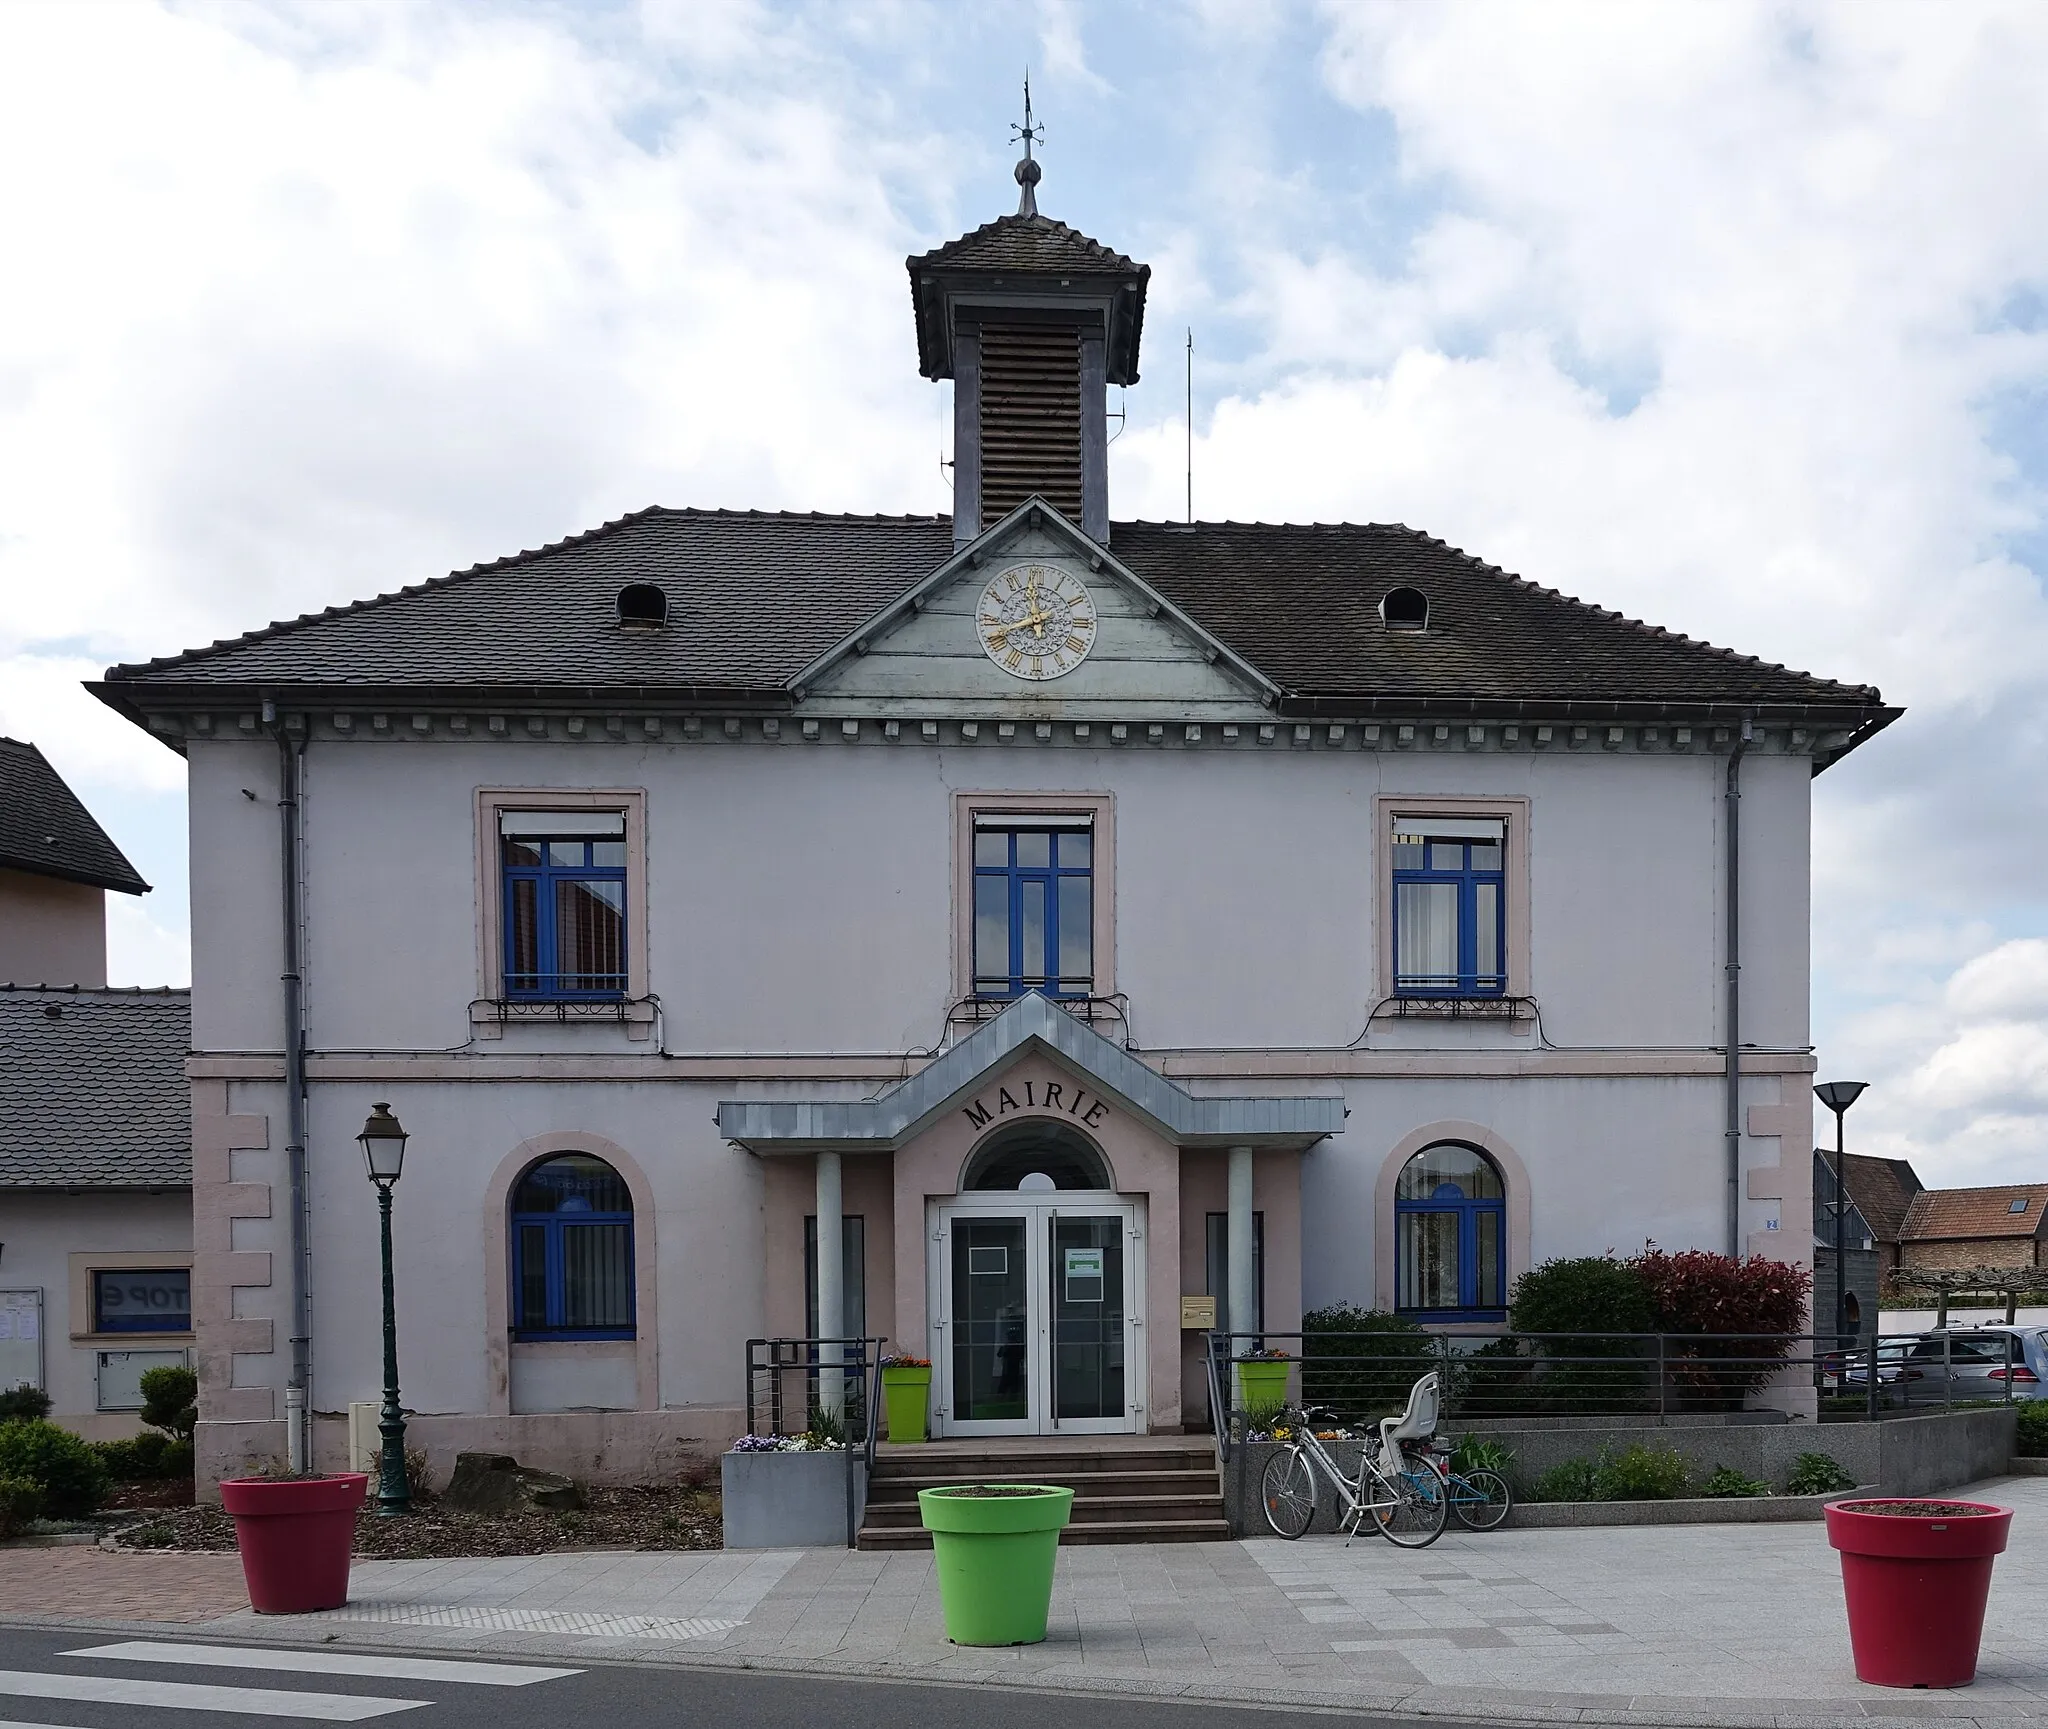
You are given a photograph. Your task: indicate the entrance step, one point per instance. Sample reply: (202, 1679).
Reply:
(1127, 1489)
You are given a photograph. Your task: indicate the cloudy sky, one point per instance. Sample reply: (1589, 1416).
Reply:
(1734, 316)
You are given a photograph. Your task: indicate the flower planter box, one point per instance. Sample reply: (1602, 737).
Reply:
(294, 1537)
(906, 1392)
(995, 1551)
(1262, 1386)
(1916, 1583)
(792, 1500)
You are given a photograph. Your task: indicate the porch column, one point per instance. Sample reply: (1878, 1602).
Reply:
(1243, 1281)
(831, 1284)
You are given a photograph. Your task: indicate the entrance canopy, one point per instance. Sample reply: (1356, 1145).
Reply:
(979, 1061)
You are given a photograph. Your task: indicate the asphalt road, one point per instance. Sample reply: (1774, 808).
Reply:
(56, 1680)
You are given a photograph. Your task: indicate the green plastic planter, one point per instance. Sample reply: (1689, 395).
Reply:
(1263, 1386)
(995, 1555)
(906, 1393)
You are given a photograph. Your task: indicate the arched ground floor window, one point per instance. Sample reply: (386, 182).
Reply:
(572, 1251)
(1450, 1235)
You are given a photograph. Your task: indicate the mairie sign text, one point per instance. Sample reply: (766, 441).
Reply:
(1062, 1098)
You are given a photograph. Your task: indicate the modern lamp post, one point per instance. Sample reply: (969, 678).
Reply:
(1838, 1096)
(383, 1144)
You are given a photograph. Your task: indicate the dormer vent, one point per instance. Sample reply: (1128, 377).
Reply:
(1405, 609)
(642, 606)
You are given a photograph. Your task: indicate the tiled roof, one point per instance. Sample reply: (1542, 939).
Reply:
(1491, 635)
(92, 1089)
(755, 597)
(1948, 1214)
(1029, 243)
(1883, 1190)
(45, 830)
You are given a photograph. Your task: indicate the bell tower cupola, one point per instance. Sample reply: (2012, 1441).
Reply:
(1032, 322)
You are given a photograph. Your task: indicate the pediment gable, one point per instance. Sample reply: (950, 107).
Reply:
(1144, 655)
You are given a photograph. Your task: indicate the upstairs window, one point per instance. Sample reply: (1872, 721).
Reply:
(572, 1251)
(1034, 906)
(564, 904)
(142, 1301)
(1450, 906)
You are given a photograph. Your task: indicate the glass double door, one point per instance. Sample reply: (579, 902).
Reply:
(1037, 1323)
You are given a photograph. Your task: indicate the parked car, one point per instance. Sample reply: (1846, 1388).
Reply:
(1848, 1372)
(1955, 1365)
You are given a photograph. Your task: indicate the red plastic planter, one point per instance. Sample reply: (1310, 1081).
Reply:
(294, 1538)
(1916, 1589)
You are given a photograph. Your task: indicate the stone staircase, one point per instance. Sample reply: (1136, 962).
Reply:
(1127, 1488)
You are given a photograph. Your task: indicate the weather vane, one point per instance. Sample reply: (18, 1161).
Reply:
(1027, 171)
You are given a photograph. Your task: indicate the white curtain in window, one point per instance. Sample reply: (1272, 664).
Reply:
(1426, 920)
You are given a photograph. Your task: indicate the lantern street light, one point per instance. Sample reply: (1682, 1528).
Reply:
(383, 1144)
(1838, 1096)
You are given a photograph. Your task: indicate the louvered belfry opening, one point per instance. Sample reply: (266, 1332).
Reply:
(1030, 418)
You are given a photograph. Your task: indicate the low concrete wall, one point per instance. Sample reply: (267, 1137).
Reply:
(600, 1447)
(1762, 1510)
(791, 1500)
(1899, 1456)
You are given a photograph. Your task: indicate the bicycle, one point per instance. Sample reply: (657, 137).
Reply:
(1407, 1499)
(1480, 1498)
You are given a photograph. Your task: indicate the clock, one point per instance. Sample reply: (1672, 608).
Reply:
(1035, 621)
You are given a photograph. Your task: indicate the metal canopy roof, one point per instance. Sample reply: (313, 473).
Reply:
(1031, 1024)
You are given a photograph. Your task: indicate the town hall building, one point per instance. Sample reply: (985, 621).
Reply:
(982, 931)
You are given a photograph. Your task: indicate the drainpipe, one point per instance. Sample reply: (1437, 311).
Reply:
(291, 769)
(1732, 837)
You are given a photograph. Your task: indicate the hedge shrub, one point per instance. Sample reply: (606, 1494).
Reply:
(170, 1401)
(2033, 1430)
(69, 1473)
(20, 1502)
(1361, 1362)
(1817, 1474)
(23, 1404)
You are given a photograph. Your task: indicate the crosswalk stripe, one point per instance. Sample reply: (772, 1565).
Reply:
(324, 1663)
(186, 1696)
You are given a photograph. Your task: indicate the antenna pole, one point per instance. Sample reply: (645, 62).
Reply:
(1191, 425)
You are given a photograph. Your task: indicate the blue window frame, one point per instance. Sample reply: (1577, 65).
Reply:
(564, 893)
(1450, 1235)
(1034, 908)
(572, 1251)
(1450, 908)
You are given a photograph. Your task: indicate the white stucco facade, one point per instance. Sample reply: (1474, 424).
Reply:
(802, 918)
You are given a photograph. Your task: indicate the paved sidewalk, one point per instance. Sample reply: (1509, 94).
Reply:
(1726, 1625)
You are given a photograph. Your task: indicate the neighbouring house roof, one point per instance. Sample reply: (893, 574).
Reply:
(755, 597)
(1883, 1190)
(1948, 1215)
(92, 1088)
(44, 830)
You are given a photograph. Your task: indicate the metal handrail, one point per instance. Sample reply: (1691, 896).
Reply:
(1549, 1374)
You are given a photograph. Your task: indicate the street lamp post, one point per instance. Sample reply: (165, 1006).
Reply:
(1838, 1096)
(383, 1144)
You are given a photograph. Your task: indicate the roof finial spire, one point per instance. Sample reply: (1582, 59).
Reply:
(1027, 171)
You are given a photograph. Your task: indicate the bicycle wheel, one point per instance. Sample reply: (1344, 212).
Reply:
(1288, 1490)
(1420, 1505)
(1481, 1499)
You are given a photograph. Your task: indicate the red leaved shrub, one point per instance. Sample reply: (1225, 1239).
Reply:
(1748, 1306)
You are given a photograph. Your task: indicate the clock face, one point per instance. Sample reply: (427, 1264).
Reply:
(1036, 621)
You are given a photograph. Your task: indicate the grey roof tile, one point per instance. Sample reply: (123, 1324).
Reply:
(46, 831)
(92, 1088)
(1029, 243)
(755, 597)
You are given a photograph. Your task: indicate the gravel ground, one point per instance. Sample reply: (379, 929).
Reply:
(640, 1518)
